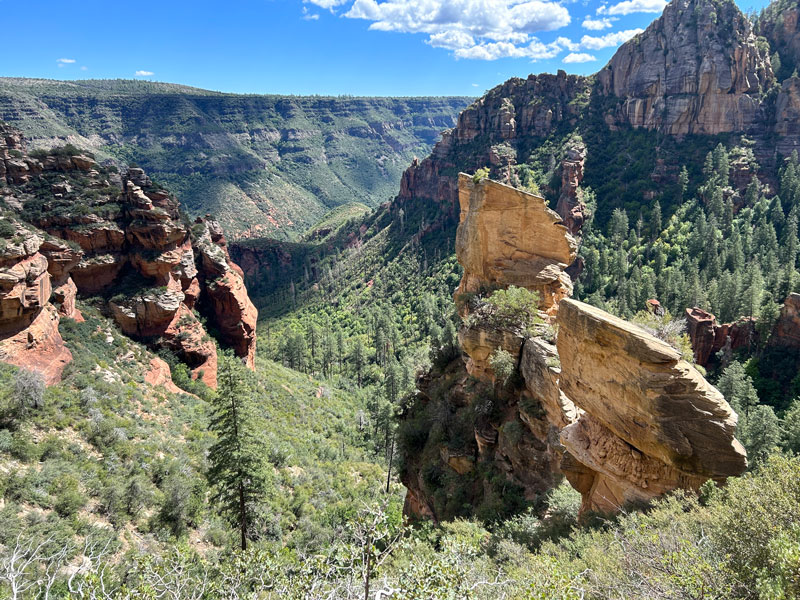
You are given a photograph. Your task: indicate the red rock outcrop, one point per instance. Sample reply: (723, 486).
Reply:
(708, 337)
(786, 332)
(29, 334)
(129, 242)
(160, 375)
(39, 347)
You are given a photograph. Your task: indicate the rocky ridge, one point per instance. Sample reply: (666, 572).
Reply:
(699, 69)
(605, 403)
(91, 231)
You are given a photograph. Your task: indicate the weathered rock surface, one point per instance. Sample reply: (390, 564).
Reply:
(39, 347)
(613, 408)
(160, 375)
(659, 407)
(697, 69)
(510, 237)
(787, 329)
(708, 337)
(570, 201)
(130, 239)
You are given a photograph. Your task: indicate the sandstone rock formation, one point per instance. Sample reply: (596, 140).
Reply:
(787, 330)
(129, 243)
(697, 69)
(570, 201)
(507, 236)
(652, 423)
(608, 405)
(29, 334)
(708, 337)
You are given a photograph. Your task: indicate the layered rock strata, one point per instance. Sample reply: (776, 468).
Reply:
(652, 423)
(696, 70)
(608, 405)
(509, 237)
(122, 237)
(709, 337)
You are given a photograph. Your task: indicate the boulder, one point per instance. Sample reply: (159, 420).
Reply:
(160, 375)
(676, 427)
(510, 237)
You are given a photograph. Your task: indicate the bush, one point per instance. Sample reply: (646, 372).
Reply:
(503, 365)
(514, 307)
(7, 229)
(28, 391)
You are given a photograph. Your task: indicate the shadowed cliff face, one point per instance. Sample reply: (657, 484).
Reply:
(608, 405)
(80, 227)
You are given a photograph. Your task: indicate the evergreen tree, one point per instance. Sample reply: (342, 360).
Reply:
(237, 472)
(359, 359)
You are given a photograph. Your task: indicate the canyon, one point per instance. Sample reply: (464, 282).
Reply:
(81, 228)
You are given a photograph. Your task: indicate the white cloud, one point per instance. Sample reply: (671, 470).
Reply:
(474, 85)
(65, 61)
(536, 50)
(487, 30)
(144, 73)
(309, 16)
(578, 57)
(608, 40)
(633, 6)
(568, 44)
(597, 24)
(84, 68)
(452, 40)
(326, 4)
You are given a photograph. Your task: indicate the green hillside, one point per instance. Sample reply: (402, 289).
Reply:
(264, 165)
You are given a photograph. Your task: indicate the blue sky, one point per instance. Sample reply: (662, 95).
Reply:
(359, 47)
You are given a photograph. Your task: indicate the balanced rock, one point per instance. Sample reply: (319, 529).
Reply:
(652, 423)
(510, 237)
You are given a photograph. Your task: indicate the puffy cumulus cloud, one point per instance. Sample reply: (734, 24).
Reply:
(144, 73)
(597, 24)
(479, 29)
(536, 50)
(608, 40)
(568, 44)
(579, 57)
(628, 7)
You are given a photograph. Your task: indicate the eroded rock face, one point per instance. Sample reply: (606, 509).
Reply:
(570, 201)
(123, 235)
(697, 69)
(674, 429)
(708, 337)
(787, 330)
(39, 347)
(510, 237)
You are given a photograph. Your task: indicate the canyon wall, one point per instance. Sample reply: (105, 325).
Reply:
(78, 227)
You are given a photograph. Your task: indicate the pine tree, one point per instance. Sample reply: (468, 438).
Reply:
(238, 474)
(655, 220)
(359, 359)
